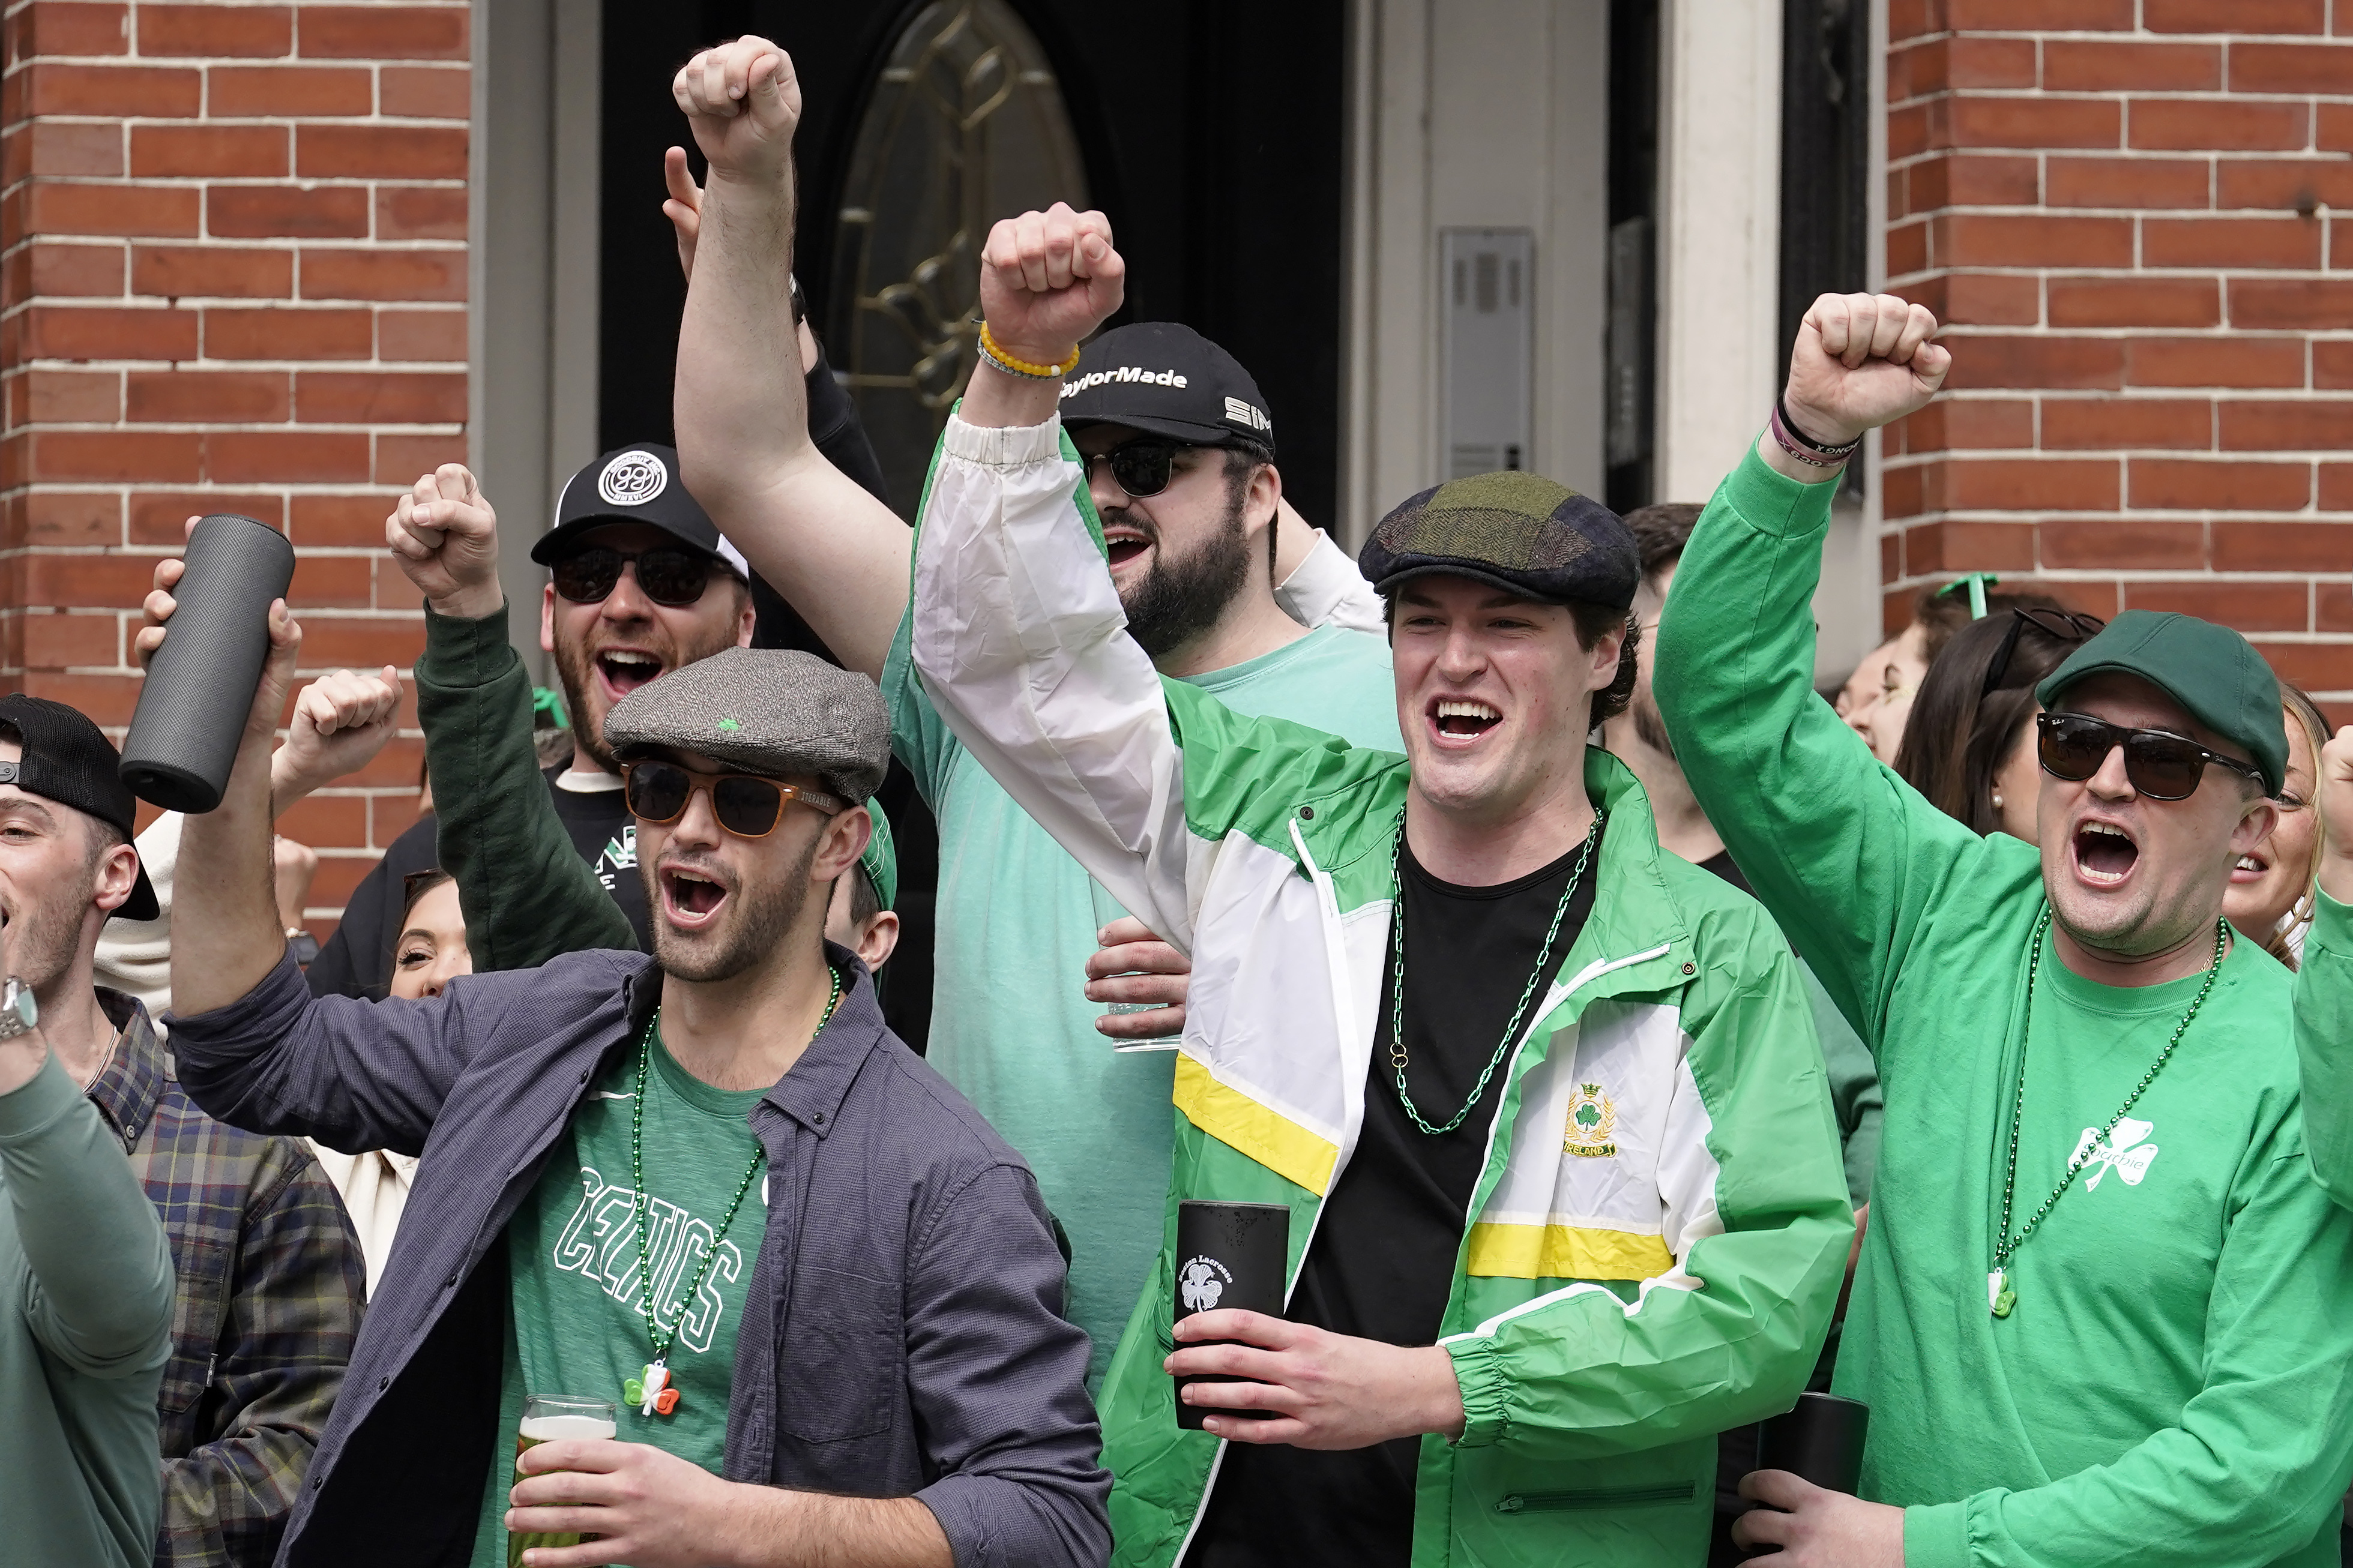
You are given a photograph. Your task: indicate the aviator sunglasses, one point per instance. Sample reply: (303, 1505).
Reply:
(1143, 466)
(2074, 746)
(666, 574)
(746, 805)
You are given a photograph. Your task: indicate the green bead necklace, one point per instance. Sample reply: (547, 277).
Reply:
(1512, 1029)
(650, 1390)
(1999, 1296)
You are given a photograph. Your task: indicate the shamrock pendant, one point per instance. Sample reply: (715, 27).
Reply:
(650, 1391)
(1998, 1295)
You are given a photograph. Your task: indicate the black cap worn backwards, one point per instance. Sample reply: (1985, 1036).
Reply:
(1521, 532)
(1167, 380)
(64, 758)
(635, 484)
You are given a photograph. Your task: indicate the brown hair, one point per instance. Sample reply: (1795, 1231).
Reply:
(1959, 734)
(2302, 709)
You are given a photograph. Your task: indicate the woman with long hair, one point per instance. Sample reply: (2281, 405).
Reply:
(2270, 898)
(1968, 743)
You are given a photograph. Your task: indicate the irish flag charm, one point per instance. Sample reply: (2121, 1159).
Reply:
(650, 1391)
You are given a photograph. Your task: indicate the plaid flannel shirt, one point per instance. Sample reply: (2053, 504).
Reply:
(268, 1306)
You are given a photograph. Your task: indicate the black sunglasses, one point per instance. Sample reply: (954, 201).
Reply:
(746, 805)
(2059, 624)
(666, 574)
(1143, 466)
(2074, 746)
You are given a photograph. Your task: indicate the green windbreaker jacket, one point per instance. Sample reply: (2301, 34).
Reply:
(1628, 1284)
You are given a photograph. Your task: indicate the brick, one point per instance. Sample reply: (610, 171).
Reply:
(1978, 239)
(339, 875)
(2305, 303)
(1968, 544)
(270, 334)
(380, 397)
(69, 518)
(380, 153)
(108, 333)
(1909, 19)
(1965, 179)
(384, 274)
(337, 581)
(400, 459)
(111, 456)
(384, 32)
(390, 815)
(341, 522)
(108, 699)
(2135, 302)
(427, 92)
(2239, 16)
(326, 819)
(74, 28)
(2333, 132)
(2122, 544)
(2082, 65)
(2082, 365)
(2247, 607)
(2277, 545)
(421, 334)
(341, 642)
(393, 591)
(2332, 606)
(284, 456)
(2108, 423)
(2176, 484)
(214, 270)
(148, 92)
(161, 517)
(190, 396)
(1963, 423)
(2316, 667)
(2204, 124)
(69, 397)
(238, 152)
(88, 269)
(2130, 183)
(2332, 363)
(2288, 425)
(2045, 15)
(2038, 123)
(2302, 184)
(2214, 361)
(2021, 484)
(281, 212)
(1907, 249)
(1910, 131)
(164, 211)
(1943, 64)
(287, 91)
(420, 211)
(2337, 486)
(61, 641)
(2291, 68)
(254, 31)
(1984, 299)
(66, 148)
(1901, 491)
(2233, 242)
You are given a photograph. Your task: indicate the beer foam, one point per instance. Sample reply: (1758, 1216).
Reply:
(557, 1428)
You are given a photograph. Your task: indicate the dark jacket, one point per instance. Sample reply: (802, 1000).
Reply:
(903, 1332)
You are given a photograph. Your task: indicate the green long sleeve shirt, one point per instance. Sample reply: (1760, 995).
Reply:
(85, 1329)
(2170, 1387)
(2323, 1045)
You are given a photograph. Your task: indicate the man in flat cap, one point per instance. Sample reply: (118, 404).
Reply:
(1544, 1103)
(709, 1187)
(2104, 1316)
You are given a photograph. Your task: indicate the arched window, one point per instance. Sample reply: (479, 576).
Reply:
(966, 126)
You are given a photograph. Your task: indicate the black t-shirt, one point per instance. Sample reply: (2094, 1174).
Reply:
(1382, 1263)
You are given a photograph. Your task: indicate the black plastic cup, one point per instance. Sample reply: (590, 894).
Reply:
(1228, 1256)
(199, 686)
(1820, 1441)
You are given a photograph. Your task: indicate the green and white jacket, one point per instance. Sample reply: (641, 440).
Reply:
(1625, 1288)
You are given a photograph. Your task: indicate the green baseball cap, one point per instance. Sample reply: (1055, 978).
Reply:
(880, 860)
(2210, 670)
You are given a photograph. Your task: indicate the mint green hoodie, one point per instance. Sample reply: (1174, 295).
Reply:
(2171, 1386)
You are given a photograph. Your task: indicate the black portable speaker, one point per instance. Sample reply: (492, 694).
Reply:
(199, 686)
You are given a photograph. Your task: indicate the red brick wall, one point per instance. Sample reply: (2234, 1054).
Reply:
(2123, 207)
(234, 280)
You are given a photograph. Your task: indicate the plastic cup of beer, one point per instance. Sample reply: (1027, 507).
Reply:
(548, 1418)
(1107, 909)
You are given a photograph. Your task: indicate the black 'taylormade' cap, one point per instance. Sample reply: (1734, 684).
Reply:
(1168, 380)
(65, 758)
(633, 484)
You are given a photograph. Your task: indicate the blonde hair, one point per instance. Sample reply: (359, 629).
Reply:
(2301, 710)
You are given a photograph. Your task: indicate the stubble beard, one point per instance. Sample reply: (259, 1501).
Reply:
(43, 942)
(1179, 598)
(576, 674)
(749, 934)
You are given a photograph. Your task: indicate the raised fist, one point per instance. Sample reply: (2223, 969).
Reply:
(1861, 361)
(446, 537)
(1047, 280)
(339, 723)
(743, 102)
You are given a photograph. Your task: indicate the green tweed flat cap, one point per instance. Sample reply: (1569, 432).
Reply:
(767, 711)
(1524, 533)
(880, 860)
(2210, 670)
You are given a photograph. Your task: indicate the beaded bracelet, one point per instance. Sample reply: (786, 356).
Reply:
(996, 356)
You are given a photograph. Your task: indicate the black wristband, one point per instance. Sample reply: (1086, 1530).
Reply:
(1781, 404)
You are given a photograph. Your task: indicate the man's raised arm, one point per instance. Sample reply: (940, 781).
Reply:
(2324, 983)
(838, 556)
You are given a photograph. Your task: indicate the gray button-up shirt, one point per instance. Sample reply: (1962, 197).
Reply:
(903, 1335)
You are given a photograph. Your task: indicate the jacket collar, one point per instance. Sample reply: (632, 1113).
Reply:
(129, 1088)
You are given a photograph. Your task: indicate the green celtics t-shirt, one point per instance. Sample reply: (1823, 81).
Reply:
(573, 1321)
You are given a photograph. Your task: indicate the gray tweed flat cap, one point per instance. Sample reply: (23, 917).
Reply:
(767, 710)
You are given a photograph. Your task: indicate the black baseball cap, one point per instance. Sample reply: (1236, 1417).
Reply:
(67, 759)
(1523, 532)
(635, 484)
(1167, 379)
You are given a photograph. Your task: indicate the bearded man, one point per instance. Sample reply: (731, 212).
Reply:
(2103, 1315)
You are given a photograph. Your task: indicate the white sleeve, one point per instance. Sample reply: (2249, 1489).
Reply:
(1327, 588)
(1021, 644)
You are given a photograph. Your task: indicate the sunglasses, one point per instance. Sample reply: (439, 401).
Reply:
(2074, 746)
(1143, 466)
(666, 574)
(2055, 624)
(746, 805)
